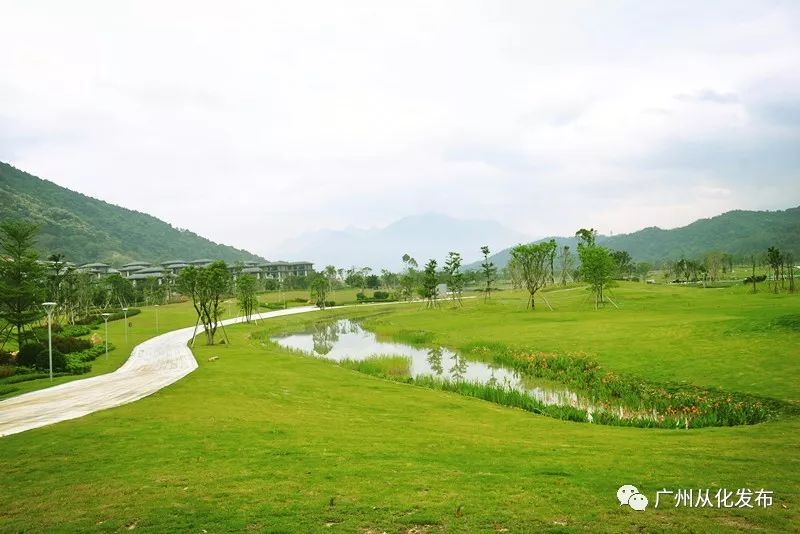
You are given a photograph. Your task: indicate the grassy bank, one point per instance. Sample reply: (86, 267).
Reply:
(263, 439)
(142, 327)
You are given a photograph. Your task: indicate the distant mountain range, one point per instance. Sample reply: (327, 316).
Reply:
(86, 229)
(740, 233)
(425, 236)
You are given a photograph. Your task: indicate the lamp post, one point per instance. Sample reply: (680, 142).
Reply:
(156, 318)
(105, 318)
(125, 313)
(48, 306)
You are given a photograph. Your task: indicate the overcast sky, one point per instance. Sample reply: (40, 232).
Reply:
(252, 122)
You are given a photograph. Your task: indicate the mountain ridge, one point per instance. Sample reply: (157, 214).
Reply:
(87, 229)
(423, 236)
(737, 232)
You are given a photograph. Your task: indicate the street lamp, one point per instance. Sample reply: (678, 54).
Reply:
(48, 306)
(125, 312)
(105, 318)
(156, 318)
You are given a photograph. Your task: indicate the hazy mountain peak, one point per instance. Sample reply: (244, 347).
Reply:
(424, 236)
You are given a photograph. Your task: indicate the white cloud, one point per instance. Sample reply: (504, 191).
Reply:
(250, 122)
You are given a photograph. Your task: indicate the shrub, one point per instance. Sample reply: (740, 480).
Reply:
(92, 353)
(6, 358)
(75, 365)
(377, 296)
(28, 353)
(76, 330)
(382, 366)
(791, 321)
(40, 332)
(117, 314)
(675, 404)
(26, 377)
(59, 360)
(6, 370)
(66, 344)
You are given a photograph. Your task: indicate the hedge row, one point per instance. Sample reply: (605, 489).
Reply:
(116, 315)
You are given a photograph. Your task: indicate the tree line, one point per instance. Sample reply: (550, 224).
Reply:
(26, 282)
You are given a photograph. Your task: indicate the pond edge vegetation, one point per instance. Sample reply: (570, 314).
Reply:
(637, 402)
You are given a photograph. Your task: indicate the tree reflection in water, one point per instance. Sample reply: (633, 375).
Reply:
(325, 336)
(435, 360)
(459, 368)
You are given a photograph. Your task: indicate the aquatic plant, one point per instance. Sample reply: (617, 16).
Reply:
(671, 404)
(385, 366)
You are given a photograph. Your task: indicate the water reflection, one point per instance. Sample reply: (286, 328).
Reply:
(435, 360)
(347, 339)
(323, 338)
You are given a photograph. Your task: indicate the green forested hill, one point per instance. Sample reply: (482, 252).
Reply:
(86, 229)
(739, 233)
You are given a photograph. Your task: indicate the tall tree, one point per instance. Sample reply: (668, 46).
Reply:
(409, 277)
(428, 290)
(57, 274)
(330, 275)
(246, 294)
(365, 280)
(513, 273)
(319, 287)
(354, 278)
(587, 237)
(713, 262)
(623, 262)
(565, 263)
(642, 270)
(206, 287)
(532, 260)
(120, 290)
(388, 279)
(775, 260)
(489, 273)
(455, 278)
(21, 276)
(597, 265)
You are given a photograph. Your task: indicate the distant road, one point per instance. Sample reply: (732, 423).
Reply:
(154, 364)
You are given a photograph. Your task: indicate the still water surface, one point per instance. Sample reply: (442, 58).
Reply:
(345, 339)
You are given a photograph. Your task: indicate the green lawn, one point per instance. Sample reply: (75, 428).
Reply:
(142, 327)
(262, 439)
(170, 317)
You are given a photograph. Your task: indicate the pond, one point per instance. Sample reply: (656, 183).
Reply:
(346, 339)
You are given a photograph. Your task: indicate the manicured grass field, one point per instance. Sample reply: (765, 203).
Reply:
(170, 317)
(142, 327)
(265, 440)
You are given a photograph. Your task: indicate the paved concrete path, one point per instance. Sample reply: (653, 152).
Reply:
(154, 364)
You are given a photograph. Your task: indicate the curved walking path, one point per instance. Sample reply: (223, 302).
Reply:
(152, 365)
